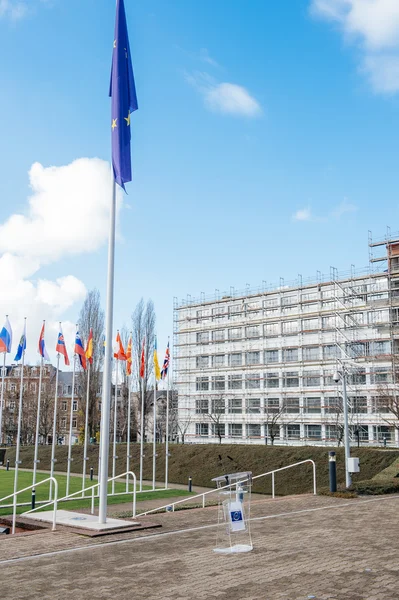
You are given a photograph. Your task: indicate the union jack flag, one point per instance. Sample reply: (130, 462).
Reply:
(166, 362)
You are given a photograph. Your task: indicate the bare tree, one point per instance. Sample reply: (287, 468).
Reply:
(273, 416)
(143, 332)
(215, 415)
(92, 317)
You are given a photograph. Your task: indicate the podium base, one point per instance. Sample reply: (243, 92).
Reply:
(234, 549)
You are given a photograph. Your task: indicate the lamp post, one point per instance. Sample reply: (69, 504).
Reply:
(341, 376)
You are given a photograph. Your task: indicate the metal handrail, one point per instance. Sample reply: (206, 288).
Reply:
(166, 506)
(92, 488)
(31, 487)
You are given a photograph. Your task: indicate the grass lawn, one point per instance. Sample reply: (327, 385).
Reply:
(75, 484)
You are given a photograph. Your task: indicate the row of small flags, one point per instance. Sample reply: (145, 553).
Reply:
(85, 355)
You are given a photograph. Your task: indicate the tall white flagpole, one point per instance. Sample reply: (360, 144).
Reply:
(17, 461)
(107, 374)
(129, 408)
(36, 460)
(70, 424)
(154, 445)
(167, 429)
(142, 435)
(114, 457)
(85, 457)
(53, 460)
(2, 397)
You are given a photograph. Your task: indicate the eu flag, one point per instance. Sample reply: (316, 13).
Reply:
(124, 99)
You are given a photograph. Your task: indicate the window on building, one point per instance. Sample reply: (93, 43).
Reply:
(218, 406)
(310, 307)
(312, 405)
(75, 405)
(202, 337)
(202, 429)
(333, 404)
(358, 377)
(334, 432)
(380, 404)
(378, 316)
(33, 387)
(291, 405)
(328, 378)
(235, 429)
(290, 354)
(218, 335)
(310, 353)
(218, 382)
(13, 387)
(201, 406)
(272, 329)
(69, 389)
(235, 333)
(328, 322)
(252, 331)
(235, 359)
(358, 404)
(202, 362)
(291, 379)
(253, 405)
(252, 381)
(310, 324)
(272, 405)
(271, 301)
(290, 327)
(218, 429)
(272, 380)
(311, 379)
(235, 406)
(381, 375)
(331, 352)
(218, 360)
(235, 382)
(288, 300)
(271, 356)
(313, 432)
(293, 431)
(11, 405)
(382, 432)
(64, 405)
(202, 384)
(44, 387)
(253, 430)
(218, 312)
(74, 423)
(235, 312)
(63, 423)
(310, 296)
(381, 348)
(252, 358)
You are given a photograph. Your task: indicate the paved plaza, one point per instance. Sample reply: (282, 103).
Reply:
(304, 547)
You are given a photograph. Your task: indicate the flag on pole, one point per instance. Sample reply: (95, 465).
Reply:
(142, 361)
(42, 345)
(6, 337)
(129, 357)
(119, 353)
(21, 345)
(79, 350)
(61, 348)
(103, 344)
(156, 363)
(166, 362)
(89, 348)
(124, 100)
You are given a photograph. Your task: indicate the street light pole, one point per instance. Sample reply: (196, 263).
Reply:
(341, 375)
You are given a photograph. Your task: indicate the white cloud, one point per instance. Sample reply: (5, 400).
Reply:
(343, 208)
(374, 26)
(13, 9)
(67, 214)
(225, 98)
(303, 214)
(205, 57)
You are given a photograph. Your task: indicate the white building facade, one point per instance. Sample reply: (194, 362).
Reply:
(258, 367)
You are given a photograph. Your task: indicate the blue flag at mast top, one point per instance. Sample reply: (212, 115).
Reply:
(124, 99)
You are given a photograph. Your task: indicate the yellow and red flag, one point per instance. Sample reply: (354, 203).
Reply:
(129, 357)
(120, 351)
(142, 361)
(89, 347)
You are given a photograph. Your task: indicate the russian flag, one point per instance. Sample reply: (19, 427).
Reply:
(6, 337)
(79, 350)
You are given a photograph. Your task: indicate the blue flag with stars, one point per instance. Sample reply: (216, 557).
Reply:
(124, 99)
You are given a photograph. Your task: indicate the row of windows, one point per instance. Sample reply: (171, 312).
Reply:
(292, 431)
(295, 326)
(288, 379)
(356, 405)
(64, 423)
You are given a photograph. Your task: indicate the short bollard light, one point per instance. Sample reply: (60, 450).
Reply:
(332, 462)
(190, 484)
(8, 464)
(33, 498)
(91, 473)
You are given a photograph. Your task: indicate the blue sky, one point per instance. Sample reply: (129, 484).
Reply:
(264, 145)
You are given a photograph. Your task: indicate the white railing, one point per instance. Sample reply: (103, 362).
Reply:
(92, 488)
(31, 487)
(173, 504)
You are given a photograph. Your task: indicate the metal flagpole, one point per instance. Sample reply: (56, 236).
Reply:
(154, 445)
(70, 424)
(142, 435)
(53, 460)
(167, 430)
(2, 397)
(17, 461)
(114, 457)
(129, 408)
(105, 405)
(85, 457)
(35, 460)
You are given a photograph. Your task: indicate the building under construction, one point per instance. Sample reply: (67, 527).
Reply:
(257, 366)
